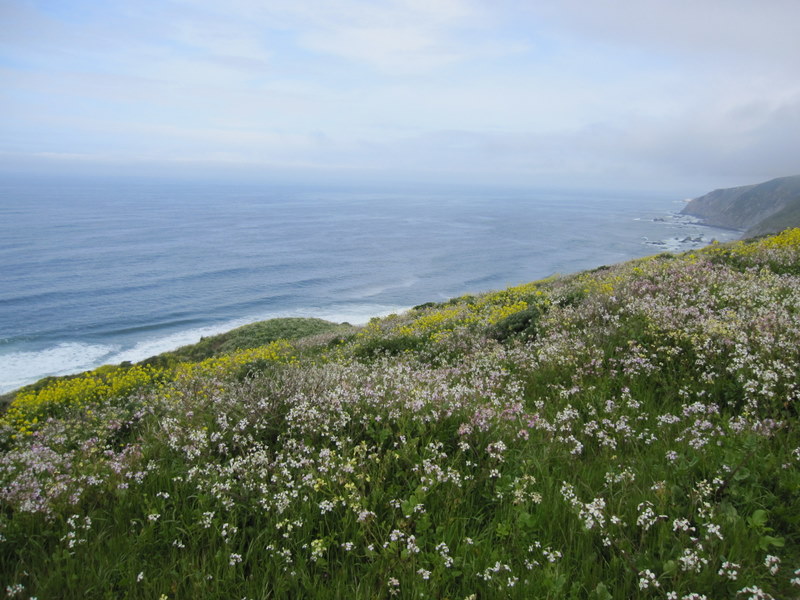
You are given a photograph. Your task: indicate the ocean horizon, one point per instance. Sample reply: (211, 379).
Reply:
(103, 272)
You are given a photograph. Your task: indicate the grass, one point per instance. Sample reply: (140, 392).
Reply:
(626, 432)
(246, 337)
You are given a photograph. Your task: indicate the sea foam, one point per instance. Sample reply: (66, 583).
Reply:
(21, 368)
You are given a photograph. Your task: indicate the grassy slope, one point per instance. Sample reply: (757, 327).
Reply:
(248, 336)
(786, 217)
(628, 432)
(767, 207)
(245, 337)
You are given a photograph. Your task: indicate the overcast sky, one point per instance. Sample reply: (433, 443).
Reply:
(674, 94)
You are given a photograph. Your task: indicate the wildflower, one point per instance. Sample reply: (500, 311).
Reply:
(647, 518)
(444, 552)
(729, 570)
(394, 586)
(486, 575)
(796, 579)
(756, 593)
(713, 529)
(496, 449)
(235, 559)
(206, 520)
(317, 549)
(140, 576)
(682, 525)
(364, 515)
(551, 555)
(568, 493)
(692, 561)
(424, 574)
(772, 563)
(647, 579)
(592, 513)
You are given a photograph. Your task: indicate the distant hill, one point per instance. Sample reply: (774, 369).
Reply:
(757, 209)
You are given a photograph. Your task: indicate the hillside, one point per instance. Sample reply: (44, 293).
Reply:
(246, 337)
(757, 209)
(627, 432)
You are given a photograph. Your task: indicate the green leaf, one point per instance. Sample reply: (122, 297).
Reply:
(741, 474)
(407, 507)
(503, 529)
(601, 592)
(424, 523)
(765, 541)
(670, 567)
(526, 519)
(758, 519)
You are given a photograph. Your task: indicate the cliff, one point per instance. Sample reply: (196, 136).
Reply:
(756, 209)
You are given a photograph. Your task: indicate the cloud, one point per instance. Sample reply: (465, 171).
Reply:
(731, 30)
(507, 90)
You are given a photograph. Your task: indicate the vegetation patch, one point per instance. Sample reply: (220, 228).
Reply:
(629, 432)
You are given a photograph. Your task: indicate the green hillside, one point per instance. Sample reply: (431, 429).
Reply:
(628, 432)
(759, 209)
(789, 216)
(245, 337)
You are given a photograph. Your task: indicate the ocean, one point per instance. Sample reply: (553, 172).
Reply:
(102, 272)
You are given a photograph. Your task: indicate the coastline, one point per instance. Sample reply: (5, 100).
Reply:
(22, 368)
(143, 292)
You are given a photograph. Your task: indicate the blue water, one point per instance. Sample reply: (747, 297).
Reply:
(96, 273)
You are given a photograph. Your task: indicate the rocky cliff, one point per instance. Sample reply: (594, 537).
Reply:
(766, 207)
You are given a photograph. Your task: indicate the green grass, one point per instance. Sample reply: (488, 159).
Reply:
(253, 335)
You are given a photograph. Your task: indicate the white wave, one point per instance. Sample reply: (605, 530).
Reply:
(21, 368)
(677, 244)
(357, 314)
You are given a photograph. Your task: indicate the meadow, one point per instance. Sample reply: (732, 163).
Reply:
(626, 432)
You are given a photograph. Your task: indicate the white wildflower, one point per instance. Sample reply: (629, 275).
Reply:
(647, 579)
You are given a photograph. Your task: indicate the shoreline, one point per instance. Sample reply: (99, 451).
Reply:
(77, 356)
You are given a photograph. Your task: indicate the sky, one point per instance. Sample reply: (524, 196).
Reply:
(680, 95)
